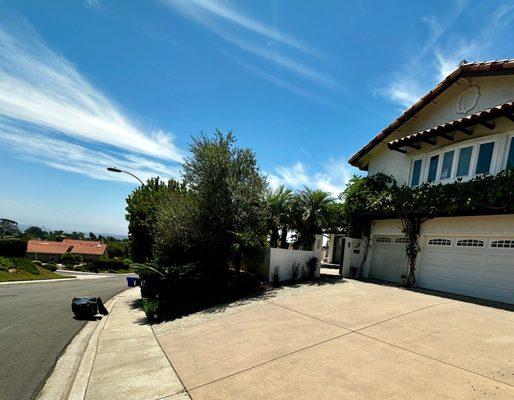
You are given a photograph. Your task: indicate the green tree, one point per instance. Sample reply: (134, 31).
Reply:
(36, 231)
(229, 192)
(8, 227)
(176, 233)
(279, 207)
(311, 212)
(141, 214)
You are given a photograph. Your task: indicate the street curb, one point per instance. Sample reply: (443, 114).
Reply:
(70, 376)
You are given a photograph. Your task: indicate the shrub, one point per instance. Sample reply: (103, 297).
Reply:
(151, 308)
(13, 247)
(108, 264)
(37, 263)
(312, 265)
(71, 259)
(50, 266)
(6, 264)
(275, 278)
(295, 270)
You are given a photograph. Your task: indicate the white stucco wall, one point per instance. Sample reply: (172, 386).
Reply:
(490, 225)
(283, 259)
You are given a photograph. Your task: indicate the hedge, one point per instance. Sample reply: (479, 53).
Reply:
(106, 263)
(13, 247)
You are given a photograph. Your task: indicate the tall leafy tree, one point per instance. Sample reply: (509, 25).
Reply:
(279, 207)
(229, 192)
(141, 214)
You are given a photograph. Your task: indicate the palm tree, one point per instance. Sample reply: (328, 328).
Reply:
(279, 203)
(312, 215)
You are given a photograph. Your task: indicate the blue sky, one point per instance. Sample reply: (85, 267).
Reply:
(88, 84)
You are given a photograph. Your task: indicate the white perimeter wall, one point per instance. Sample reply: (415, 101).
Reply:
(284, 259)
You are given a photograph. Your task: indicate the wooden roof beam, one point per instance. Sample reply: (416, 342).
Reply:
(414, 146)
(432, 141)
(399, 150)
(489, 125)
(467, 131)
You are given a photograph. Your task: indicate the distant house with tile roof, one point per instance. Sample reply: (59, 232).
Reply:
(52, 251)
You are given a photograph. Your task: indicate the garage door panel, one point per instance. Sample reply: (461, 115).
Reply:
(483, 272)
(388, 259)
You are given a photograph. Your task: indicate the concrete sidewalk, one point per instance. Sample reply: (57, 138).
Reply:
(123, 359)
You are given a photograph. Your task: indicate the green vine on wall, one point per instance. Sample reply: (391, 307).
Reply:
(379, 197)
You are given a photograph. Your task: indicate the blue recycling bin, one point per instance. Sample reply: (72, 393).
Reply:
(131, 281)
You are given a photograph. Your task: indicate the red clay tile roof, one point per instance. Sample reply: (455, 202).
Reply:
(90, 247)
(43, 247)
(451, 126)
(465, 69)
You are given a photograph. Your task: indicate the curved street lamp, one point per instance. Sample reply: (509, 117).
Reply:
(114, 169)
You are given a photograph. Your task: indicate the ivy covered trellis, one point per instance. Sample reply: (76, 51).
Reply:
(380, 197)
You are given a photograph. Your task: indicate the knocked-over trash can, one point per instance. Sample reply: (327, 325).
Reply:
(131, 282)
(87, 307)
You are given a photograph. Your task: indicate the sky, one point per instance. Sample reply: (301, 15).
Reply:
(87, 84)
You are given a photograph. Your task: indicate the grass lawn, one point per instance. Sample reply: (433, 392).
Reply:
(24, 270)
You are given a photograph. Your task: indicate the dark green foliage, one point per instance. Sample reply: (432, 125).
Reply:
(311, 214)
(176, 233)
(228, 190)
(37, 263)
(108, 264)
(70, 259)
(51, 266)
(295, 270)
(380, 195)
(312, 265)
(141, 214)
(35, 231)
(13, 247)
(279, 204)
(117, 249)
(8, 227)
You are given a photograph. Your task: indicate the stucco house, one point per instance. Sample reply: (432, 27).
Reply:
(463, 127)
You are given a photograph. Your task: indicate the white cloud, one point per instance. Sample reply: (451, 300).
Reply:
(194, 8)
(332, 178)
(247, 34)
(49, 150)
(39, 87)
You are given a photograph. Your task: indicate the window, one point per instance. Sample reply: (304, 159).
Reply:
(506, 244)
(439, 242)
(432, 168)
(510, 156)
(464, 161)
(401, 240)
(446, 170)
(470, 243)
(383, 239)
(485, 156)
(416, 173)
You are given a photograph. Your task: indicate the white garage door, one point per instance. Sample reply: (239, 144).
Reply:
(388, 258)
(479, 267)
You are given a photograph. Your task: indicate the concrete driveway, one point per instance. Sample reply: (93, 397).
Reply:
(352, 340)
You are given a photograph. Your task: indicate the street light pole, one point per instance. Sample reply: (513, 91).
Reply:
(114, 169)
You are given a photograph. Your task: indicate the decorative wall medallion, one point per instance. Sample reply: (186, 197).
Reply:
(468, 99)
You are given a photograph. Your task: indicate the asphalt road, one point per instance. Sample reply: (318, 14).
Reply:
(36, 324)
